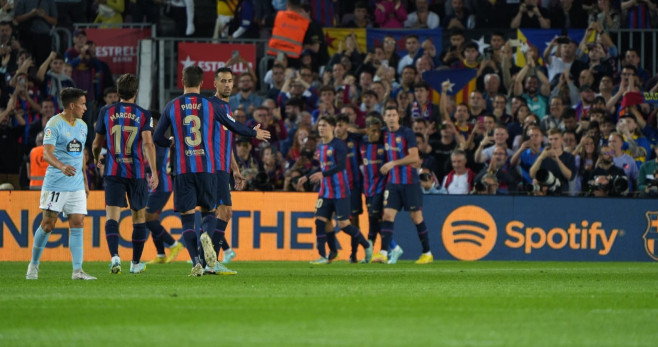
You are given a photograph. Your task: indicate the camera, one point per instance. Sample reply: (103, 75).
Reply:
(488, 52)
(307, 153)
(425, 177)
(547, 179)
(614, 186)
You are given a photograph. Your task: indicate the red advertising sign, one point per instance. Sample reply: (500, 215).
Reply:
(212, 56)
(118, 47)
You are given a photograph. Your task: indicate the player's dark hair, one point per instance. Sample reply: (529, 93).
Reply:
(127, 85)
(342, 117)
(192, 76)
(70, 95)
(108, 90)
(223, 70)
(329, 119)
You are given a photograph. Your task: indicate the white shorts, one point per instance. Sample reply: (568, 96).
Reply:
(65, 202)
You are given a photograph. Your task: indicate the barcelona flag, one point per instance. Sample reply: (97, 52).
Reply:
(333, 36)
(462, 83)
(541, 38)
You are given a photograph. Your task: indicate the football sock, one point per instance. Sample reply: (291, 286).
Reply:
(208, 222)
(75, 246)
(321, 237)
(331, 241)
(139, 237)
(387, 234)
(423, 235)
(40, 241)
(356, 234)
(355, 247)
(189, 235)
(158, 232)
(373, 228)
(392, 245)
(218, 237)
(112, 236)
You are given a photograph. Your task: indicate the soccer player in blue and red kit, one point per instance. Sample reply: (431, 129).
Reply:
(334, 195)
(127, 128)
(402, 185)
(157, 199)
(374, 156)
(192, 118)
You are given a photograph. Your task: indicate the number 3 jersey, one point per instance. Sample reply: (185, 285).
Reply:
(69, 142)
(123, 124)
(194, 120)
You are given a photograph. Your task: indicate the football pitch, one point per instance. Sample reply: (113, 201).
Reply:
(446, 303)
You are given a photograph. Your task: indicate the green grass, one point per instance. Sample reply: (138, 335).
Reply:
(296, 304)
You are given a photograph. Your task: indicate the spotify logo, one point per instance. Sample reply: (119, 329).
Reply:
(469, 233)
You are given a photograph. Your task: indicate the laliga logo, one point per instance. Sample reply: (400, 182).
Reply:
(651, 235)
(469, 233)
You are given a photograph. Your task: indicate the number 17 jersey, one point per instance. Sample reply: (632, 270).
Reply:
(123, 124)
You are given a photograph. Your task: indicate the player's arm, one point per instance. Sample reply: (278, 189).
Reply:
(222, 117)
(49, 157)
(410, 159)
(97, 147)
(341, 154)
(159, 135)
(237, 176)
(84, 174)
(149, 151)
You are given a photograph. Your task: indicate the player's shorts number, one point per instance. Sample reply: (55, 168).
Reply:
(117, 131)
(54, 196)
(318, 204)
(195, 138)
(386, 195)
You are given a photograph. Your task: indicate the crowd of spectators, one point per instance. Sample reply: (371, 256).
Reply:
(556, 125)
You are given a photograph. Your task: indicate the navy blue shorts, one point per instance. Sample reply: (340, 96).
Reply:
(356, 203)
(223, 188)
(409, 196)
(156, 201)
(375, 204)
(116, 189)
(325, 207)
(195, 189)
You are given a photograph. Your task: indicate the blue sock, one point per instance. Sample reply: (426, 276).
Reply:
(424, 236)
(112, 236)
(387, 234)
(139, 237)
(393, 244)
(208, 222)
(218, 239)
(75, 245)
(159, 235)
(189, 235)
(321, 237)
(40, 241)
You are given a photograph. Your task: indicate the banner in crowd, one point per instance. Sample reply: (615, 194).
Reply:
(541, 38)
(376, 38)
(334, 36)
(211, 56)
(466, 227)
(462, 82)
(118, 47)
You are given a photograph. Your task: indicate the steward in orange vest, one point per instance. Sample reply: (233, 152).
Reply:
(288, 34)
(37, 166)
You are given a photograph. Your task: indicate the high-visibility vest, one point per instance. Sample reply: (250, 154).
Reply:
(38, 168)
(288, 34)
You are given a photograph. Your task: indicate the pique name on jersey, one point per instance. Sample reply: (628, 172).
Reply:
(195, 152)
(190, 106)
(119, 115)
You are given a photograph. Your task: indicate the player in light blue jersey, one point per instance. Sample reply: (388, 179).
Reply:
(65, 184)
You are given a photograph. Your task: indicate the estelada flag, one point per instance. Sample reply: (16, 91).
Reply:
(462, 83)
(333, 36)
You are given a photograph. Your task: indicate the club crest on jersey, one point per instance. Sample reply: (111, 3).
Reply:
(398, 140)
(329, 152)
(380, 151)
(651, 235)
(365, 161)
(350, 144)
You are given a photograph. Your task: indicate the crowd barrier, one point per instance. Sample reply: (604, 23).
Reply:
(280, 226)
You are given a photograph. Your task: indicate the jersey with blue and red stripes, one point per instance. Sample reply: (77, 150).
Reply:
(374, 156)
(223, 141)
(164, 170)
(192, 119)
(353, 161)
(397, 145)
(335, 184)
(123, 124)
